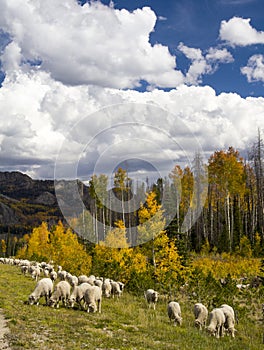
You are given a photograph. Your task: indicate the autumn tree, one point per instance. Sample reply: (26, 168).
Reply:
(151, 223)
(226, 190)
(169, 271)
(59, 245)
(38, 244)
(113, 257)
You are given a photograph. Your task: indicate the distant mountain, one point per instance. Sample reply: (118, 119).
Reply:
(25, 202)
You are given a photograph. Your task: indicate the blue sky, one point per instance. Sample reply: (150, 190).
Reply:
(197, 24)
(86, 86)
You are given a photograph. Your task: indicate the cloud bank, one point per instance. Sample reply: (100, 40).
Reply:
(68, 66)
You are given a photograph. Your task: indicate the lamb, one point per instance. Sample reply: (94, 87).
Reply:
(152, 297)
(78, 294)
(230, 319)
(44, 288)
(200, 314)
(93, 299)
(216, 322)
(61, 292)
(174, 312)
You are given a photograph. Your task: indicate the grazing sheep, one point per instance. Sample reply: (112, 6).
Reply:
(78, 294)
(93, 299)
(83, 279)
(216, 322)
(115, 289)
(152, 297)
(230, 319)
(99, 283)
(46, 272)
(61, 274)
(35, 272)
(200, 313)
(24, 269)
(122, 286)
(230, 323)
(107, 287)
(43, 288)
(73, 280)
(229, 308)
(53, 275)
(174, 312)
(61, 292)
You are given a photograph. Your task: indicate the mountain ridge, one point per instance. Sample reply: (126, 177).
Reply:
(26, 202)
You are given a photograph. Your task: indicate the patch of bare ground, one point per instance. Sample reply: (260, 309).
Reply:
(3, 331)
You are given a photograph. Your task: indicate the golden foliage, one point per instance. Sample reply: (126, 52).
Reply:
(222, 265)
(151, 219)
(59, 245)
(168, 269)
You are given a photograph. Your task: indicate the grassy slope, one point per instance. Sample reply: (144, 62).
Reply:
(123, 324)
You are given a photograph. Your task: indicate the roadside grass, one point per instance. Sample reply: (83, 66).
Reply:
(126, 323)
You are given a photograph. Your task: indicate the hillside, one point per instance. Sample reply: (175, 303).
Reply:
(26, 202)
(126, 323)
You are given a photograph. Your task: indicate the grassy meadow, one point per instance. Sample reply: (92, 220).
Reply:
(126, 323)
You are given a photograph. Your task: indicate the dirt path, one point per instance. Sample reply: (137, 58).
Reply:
(3, 330)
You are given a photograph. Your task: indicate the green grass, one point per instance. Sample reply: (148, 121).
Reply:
(123, 324)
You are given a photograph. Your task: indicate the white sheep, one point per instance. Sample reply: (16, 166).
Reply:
(93, 299)
(61, 274)
(229, 308)
(44, 288)
(83, 279)
(73, 280)
(152, 297)
(174, 312)
(35, 272)
(99, 282)
(230, 319)
(115, 289)
(61, 293)
(122, 286)
(107, 287)
(46, 272)
(24, 269)
(200, 313)
(216, 322)
(78, 294)
(53, 275)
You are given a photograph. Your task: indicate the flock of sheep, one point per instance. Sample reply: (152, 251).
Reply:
(87, 292)
(221, 320)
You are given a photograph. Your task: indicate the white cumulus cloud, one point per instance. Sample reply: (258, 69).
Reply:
(90, 44)
(254, 70)
(203, 63)
(239, 32)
